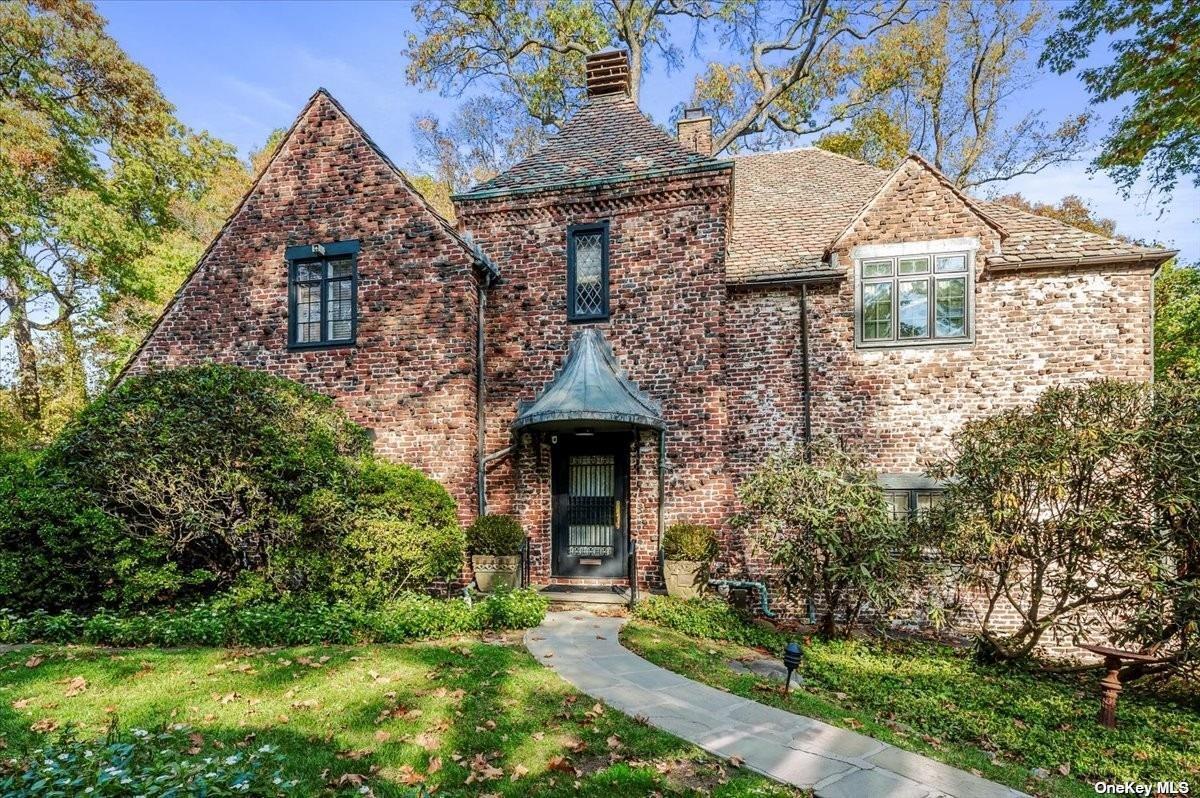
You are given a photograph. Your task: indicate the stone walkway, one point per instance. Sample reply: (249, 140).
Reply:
(835, 763)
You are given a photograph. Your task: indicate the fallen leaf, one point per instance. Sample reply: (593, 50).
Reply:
(518, 772)
(44, 725)
(76, 686)
(435, 764)
(736, 761)
(22, 704)
(197, 743)
(34, 661)
(382, 736)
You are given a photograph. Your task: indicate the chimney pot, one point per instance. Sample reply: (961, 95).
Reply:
(694, 131)
(608, 73)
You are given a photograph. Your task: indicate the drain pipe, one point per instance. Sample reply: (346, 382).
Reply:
(662, 475)
(480, 409)
(805, 377)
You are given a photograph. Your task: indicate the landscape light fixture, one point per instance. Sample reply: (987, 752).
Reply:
(791, 661)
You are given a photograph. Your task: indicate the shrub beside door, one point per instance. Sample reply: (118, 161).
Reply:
(688, 551)
(495, 543)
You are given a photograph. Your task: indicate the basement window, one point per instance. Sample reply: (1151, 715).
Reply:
(914, 298)
(587, 272)
(322, 294)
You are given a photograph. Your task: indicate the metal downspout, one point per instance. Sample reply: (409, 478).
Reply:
(805, 372)
(662, 471)
(480, 411)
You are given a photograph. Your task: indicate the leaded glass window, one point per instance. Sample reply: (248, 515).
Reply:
(914, 299)
(323, 288)
(587, 272)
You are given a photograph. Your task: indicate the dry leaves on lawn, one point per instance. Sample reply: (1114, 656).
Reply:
(34, 661)
(44, 725)
(76, 686)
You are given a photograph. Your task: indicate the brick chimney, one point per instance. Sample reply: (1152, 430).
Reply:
(608, 73)
(694, 131)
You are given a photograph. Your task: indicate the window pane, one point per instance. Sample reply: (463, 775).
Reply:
(950, 307)
(308, 313)
(877, 311)
(339, 310)
(309, 271)
(340, 268)
(898, 500)
(877, 268)
(926, 500)
(951, 263)
(914, 308)
(914, 265)
(589, 271)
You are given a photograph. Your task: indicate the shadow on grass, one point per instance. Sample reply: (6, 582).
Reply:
(385, 713)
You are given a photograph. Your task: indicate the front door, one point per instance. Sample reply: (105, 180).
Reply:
(590, 487)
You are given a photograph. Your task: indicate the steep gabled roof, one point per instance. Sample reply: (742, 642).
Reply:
(320, 95)
(790, 207)
(608, 140)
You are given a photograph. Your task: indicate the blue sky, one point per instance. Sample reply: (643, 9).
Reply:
(241, 69)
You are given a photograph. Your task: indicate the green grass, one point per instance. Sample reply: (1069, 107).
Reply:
(385, 712)
(937, 701)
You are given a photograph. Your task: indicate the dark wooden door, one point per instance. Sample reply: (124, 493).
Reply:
(590, 489)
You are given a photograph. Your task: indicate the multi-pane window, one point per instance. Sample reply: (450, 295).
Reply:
(323, 286)
(911, 504)
(587, 272)
(914, 299)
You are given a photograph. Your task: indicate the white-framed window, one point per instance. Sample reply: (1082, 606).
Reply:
(914, 298)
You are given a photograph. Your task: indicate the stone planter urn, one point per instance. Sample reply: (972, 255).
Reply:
(493, 571)
(684, 578)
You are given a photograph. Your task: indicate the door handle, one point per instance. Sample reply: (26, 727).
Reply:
(617, 513)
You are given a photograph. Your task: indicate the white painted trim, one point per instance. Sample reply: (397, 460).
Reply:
(935, 247)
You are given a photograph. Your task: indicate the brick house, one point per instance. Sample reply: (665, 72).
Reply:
(620, 327)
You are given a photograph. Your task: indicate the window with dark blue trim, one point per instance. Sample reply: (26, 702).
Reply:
(587, 272)
(322, 294)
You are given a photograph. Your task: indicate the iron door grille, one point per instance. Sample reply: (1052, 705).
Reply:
(592, 512)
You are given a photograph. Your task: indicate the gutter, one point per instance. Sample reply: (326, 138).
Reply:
(1151, 258)
(811, 278)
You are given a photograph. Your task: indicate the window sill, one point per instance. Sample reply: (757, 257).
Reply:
(873, 345)
(329, 345)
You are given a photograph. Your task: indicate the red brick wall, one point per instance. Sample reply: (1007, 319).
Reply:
(411, 375)
(667, 300)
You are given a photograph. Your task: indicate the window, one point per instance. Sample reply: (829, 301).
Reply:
(587, 272)
(323, 294)
(914, 299)
(911, 503)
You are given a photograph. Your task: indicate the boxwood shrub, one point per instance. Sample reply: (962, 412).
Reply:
(221, 622)
(499, 535)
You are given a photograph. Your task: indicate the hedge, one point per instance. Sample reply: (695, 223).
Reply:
(222, 623)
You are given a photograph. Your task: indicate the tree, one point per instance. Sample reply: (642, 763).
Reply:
(533, 50)
(1177, 321)
(93, 171)
(482, 137)
(1154, 70)
(808, 65)
(1071, 209)
(800, 55)
(954, 75)
(829, 533)
(1048, 508)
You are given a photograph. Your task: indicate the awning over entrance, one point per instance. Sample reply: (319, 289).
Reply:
(590, 390)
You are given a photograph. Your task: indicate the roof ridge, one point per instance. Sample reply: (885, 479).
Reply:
(814, 149)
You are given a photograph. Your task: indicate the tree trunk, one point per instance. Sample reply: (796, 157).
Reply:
(28, 393)
(75, 377)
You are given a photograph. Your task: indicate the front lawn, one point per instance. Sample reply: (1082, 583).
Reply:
(463, 716)
(1000, 723)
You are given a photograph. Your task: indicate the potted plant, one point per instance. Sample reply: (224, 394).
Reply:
(495, 543)
(688, 550)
